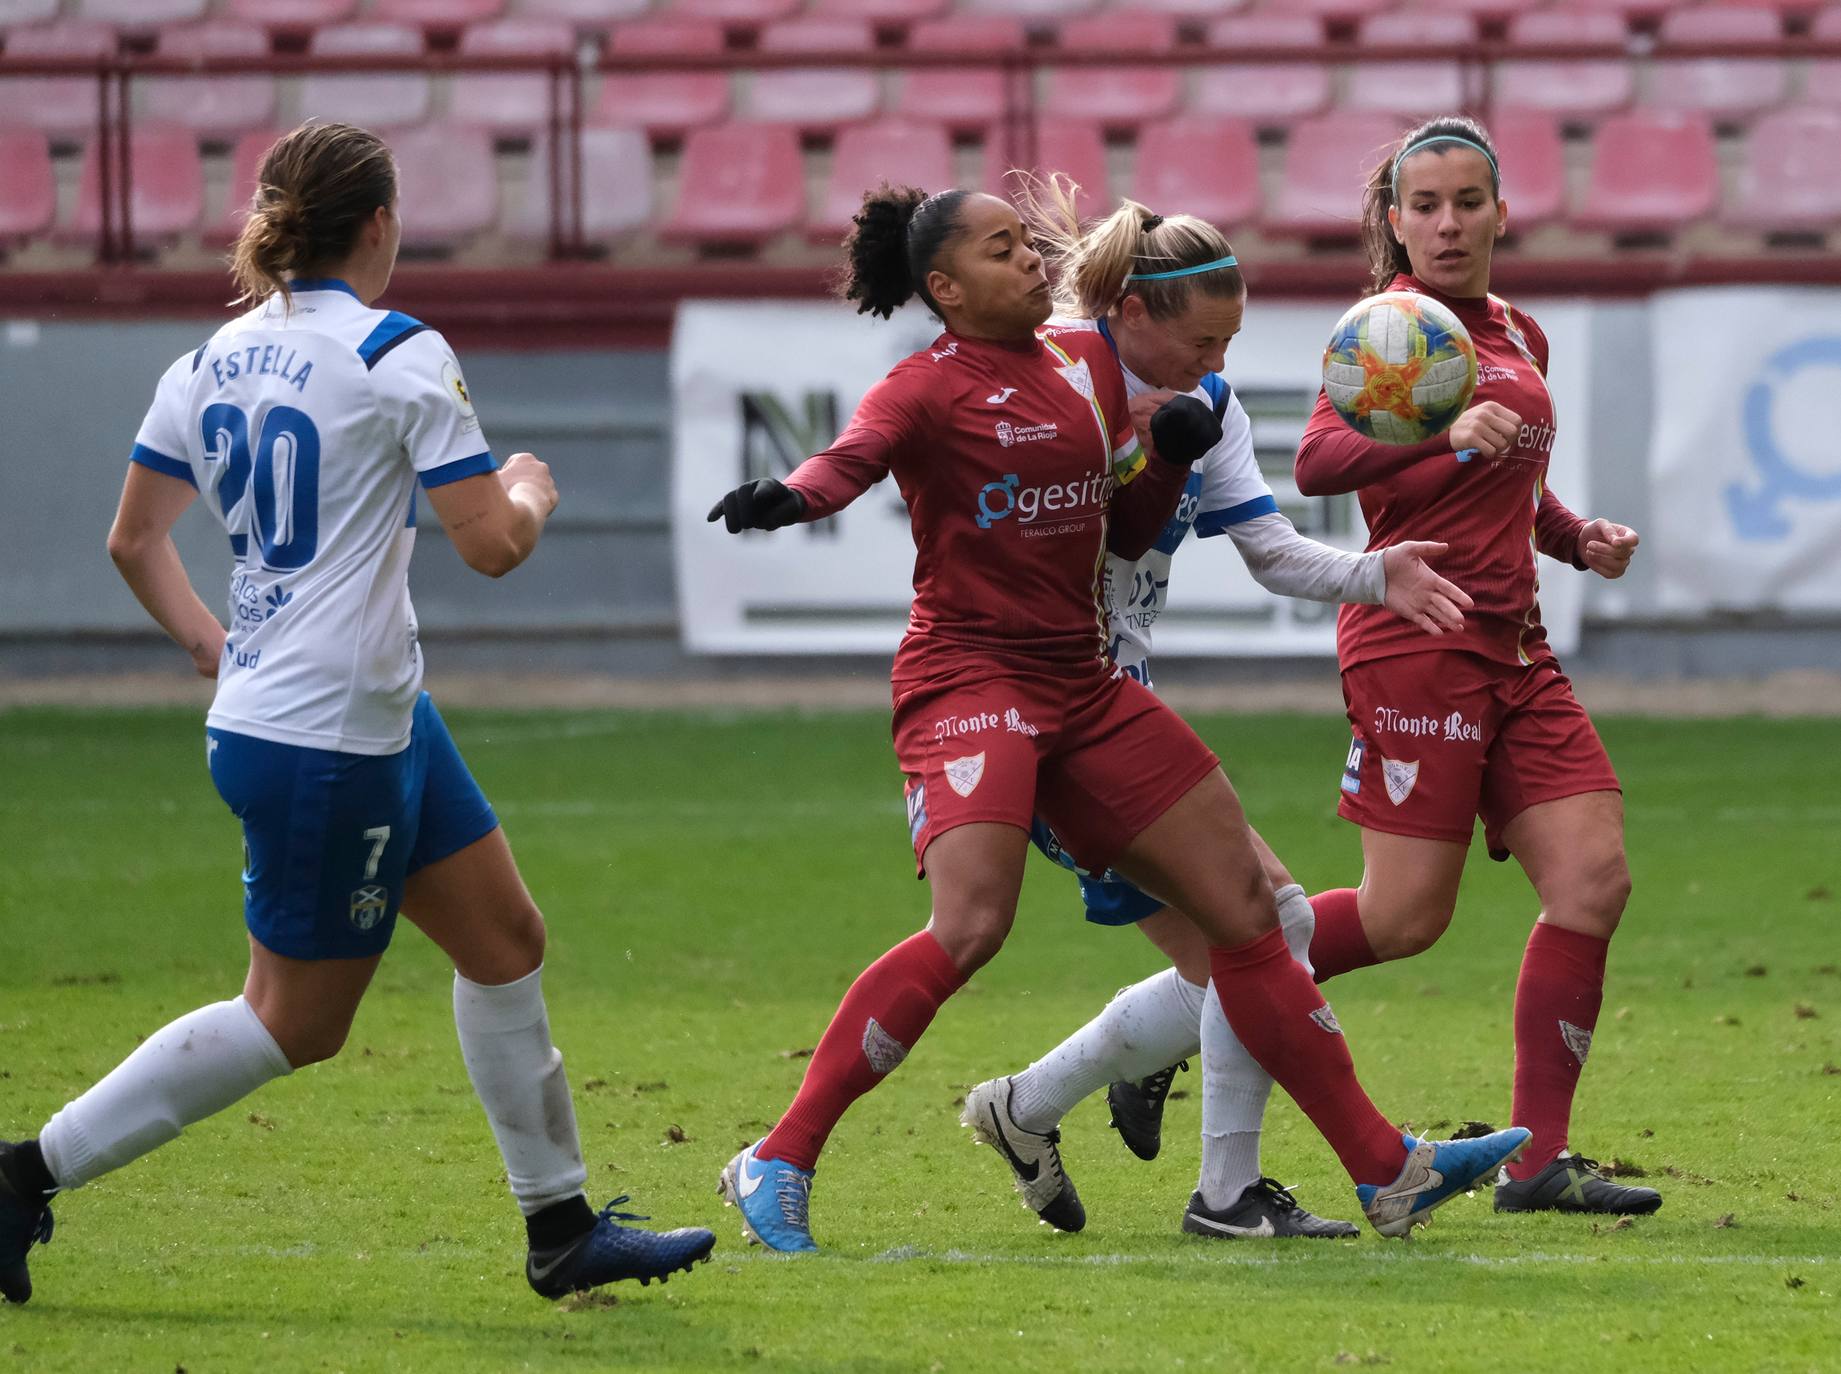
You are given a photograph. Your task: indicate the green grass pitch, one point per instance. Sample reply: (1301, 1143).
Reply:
(713, 884)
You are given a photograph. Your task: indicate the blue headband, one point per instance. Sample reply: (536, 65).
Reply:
(1229, 261)
(1495, 172)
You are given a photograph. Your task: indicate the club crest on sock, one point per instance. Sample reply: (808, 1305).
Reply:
(1326, 1018)
(883, 1051)
(1577, 1039)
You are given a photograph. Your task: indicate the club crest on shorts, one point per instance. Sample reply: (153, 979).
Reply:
(964, 775)
(883, 1051)
(1578, 1040)
(1400, 778)
(1326, 1019)
(368, 905)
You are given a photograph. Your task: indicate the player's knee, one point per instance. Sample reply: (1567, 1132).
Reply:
(1597, 894)
(314, 1042)
(972, 936)
(1400, 932)
(526, 937)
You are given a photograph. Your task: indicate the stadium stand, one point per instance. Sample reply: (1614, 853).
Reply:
(746, 13)
(1788, 181)
(818, 100)
(1529, 146)
(1576, 86)
(292, 15)
(216, 106)
(1270, 93)
(167, 194)
(665, 103)
(389, 104)
(1419, 89)
(444, 16)
(1068, 146)
(1221, 186)
(56, 104)
(1722, 86)
(31, 200)
(895, 150)
(1118, 97)
(588, 16)
(1652, 172)
(739, 184)
(443, 198)
(245, 160)
(26, 11)
(882, 11)
(509, 102)
(1327, 161)
(965, 99)
(616, 188)
(142, 16)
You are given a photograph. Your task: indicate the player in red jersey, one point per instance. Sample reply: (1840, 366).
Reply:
(1481, 722)
(1020, 468)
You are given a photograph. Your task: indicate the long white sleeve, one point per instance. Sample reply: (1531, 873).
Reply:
(1291, 564)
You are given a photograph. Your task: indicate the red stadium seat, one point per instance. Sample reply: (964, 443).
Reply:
(300, 15)
(1191, 9)
(616, 187)
(509, 101)
(586, 15)
(1199, 165)
(1327, 163)
(1533, 161)
(1340, 10)
(892, 150)
(1787, 182)
(214, 105)
(56, 104)
(436, 14)
(447, 187)
(882, 11)
(1064, 146)
(1823, 79)
(1040, 11)
(1652, 172)
(739, 184)
(1627, 9)
(373, 100)
(1420, 88)
(140, 16)
(664, 103)
(1124, 95)
(14, 13)
(743, 12)
(1575, 86)
(820, 99)
(28, 188)
(168, 192)
(965, 99)
(1719, 85)
(1268, 93)
(245, 163)
(1481, 9)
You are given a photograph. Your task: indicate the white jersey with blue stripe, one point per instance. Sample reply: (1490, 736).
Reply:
(1225, 488)
(305, 431)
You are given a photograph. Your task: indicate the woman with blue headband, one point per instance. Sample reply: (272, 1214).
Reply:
(1482, 723)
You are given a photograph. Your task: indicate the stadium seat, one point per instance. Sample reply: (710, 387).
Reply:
(815, 99)
(1822, 82)
(445, 15)
(245, 162)
(616, 187)
(1062, 146)
(219, 106)
(1123, 95)
(297, 15)
(739, 184)
(1269, 93)
(897, 151)
(1788, 182)
(14, 13)
(141, 16)
(585, 15)
(1335, 10)
(1533, 161)
(965, 99)
(509, 101)
(447, 185)
(168, 191)
(1327, 163)
(741, 12)
(1200, 165)
(1652, 172)
(1588, 86)
(1480, 9)
(28, 188)
(1626, 10)
(1038, 11)
(1421, 88)
(1191, 9)
(1729, 86)
(882, 11)
(56, 104)
(664, 103)
(373, 100)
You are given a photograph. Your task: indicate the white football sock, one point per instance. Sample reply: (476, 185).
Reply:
(182, 1073)
(518, 1074)
(1147, 1027)
(1234, 1087)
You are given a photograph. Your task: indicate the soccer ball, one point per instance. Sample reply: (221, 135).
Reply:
(1400, 368)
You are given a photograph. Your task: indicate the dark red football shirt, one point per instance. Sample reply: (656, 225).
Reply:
(1494, 513)
(1020, 470)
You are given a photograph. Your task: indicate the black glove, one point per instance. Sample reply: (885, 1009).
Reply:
(1183, 429)
(765, 505)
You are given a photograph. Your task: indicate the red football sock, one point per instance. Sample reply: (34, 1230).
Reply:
(884, 1013)
(1556, 1009)
(1340, 943)
(1286, 1025)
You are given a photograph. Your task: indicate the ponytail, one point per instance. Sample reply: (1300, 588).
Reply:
(893, 243)
(1387, 255)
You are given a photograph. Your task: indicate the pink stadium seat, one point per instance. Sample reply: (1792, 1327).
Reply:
(447, 185)
(1124, 95)
(586, 15)
(1063, 146)
(1719, 85)
(739, 184)
(1568, 86)
(820, 99)
(139, 16)
(1269, 93)
(168, 192)
(509, 101)
(1788, 180)
(964, 99)
(1340, 10)
(1039, 11)
(213, 105)
(28, 189)
(300, 15)
(1533, 160)
(616, 187)
(1481, 9)
(1627, 9)
(1420, 88)
(436, 14)
(892, 150)
(1327, 162)
(882, 11)
(1199, 165)
(1652, 172)
(373, 100)
(743, 12)
(16, 12)
(1192, 9)
(56, 104)
(664, 103)
(1823, 79)
(245, 162)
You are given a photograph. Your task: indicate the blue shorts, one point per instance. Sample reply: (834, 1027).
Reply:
(328, 838)
(1110, 900)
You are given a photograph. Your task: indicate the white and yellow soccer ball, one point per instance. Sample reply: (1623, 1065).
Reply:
(1400, 368)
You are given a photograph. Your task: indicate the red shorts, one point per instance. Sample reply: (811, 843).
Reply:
(1442, 738)
(1096, 755)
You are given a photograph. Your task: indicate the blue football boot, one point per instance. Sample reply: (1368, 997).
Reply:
(24, 1222)
(1435, 1172)
(610, 1252)
(774, 1198)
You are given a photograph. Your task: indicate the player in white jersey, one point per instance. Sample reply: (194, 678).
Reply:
(1167, 295)
(306, 424)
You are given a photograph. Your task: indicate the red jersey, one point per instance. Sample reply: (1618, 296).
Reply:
(1494, 513)
(1020, 470)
